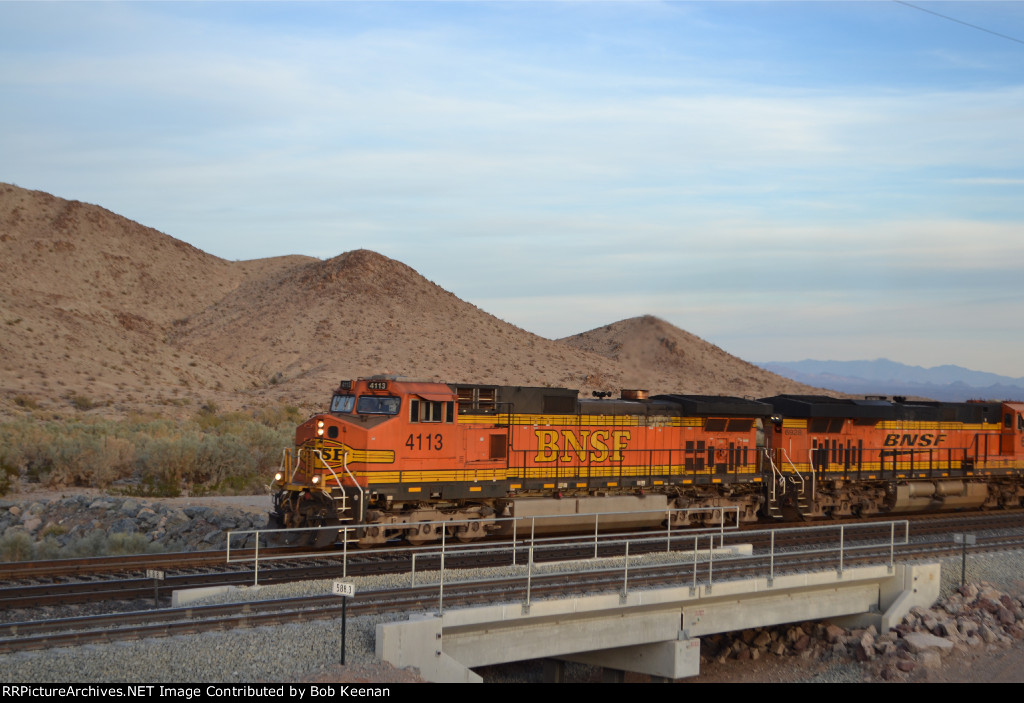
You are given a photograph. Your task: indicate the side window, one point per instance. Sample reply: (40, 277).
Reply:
(431, 411)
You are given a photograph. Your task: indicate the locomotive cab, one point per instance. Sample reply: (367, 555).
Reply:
(342, 455)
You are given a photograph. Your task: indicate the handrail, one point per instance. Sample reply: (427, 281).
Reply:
(780, 479)
(840, 551)
(344, 460)
(814, 472)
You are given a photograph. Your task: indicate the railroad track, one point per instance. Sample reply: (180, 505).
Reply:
(123, 578)
(168, 622)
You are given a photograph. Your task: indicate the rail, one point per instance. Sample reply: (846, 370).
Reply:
(516, 542)
(826, 547)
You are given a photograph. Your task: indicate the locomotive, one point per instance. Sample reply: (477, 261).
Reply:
(409, 460)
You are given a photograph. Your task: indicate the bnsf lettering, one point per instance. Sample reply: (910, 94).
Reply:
(585, 445)
(914, 440)
(333, 453)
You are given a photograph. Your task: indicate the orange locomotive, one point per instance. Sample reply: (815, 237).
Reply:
(392, 454)
(847, 457)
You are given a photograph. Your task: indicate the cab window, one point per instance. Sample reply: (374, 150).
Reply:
(378, 405)
(342, 403)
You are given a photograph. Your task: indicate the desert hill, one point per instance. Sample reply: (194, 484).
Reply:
(102, 314)
(652, 353)
(362, 313)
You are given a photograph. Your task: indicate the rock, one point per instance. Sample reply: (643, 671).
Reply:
(834, 633)
(918, 642)
(198, 511)
(865, 646)
(123, 525)
(946, 628)
(967, 627)
(987, 634)
(930, 660)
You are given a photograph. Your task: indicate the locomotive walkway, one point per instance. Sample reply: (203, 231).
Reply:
(654, 631)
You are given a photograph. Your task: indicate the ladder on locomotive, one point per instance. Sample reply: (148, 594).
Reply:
(783, 483)
(336, 493)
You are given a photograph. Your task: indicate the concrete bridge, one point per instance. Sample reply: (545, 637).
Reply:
(652, 631)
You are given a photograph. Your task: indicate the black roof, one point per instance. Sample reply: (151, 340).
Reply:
(701, 405)
(810, 406)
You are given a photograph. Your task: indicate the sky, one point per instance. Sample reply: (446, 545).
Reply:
(787, 180)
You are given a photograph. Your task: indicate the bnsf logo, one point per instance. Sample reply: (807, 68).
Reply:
(914, 440)
(596, 446)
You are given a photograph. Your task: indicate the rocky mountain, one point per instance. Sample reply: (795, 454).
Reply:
(654, 354)
(101, 314)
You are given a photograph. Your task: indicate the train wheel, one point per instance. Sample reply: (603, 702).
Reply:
(468, 533)
(419, 535)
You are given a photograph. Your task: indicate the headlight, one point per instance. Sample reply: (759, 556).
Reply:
(316, 479)
(278, 476)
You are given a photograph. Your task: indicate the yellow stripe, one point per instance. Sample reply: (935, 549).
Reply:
(570, 421)
(925, 425)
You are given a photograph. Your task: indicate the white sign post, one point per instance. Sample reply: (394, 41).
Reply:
(157, 577)
(346, 591)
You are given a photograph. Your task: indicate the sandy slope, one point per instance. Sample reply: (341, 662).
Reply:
(97, 311)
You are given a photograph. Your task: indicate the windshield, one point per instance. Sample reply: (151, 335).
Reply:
(342, 403)
(378, 405)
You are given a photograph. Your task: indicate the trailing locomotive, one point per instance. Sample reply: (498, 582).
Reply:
(391, 454)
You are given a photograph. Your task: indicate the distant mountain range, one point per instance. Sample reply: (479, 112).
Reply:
(889, 378)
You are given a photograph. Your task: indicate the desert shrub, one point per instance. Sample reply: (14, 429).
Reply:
(49, 548)
(93, 544)
(279, 416)
(17, 546)
(53, 530)
(27, 402)
(130, 543)
(81, 402)
(212, 452)
(84, 459)
(162, 462)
